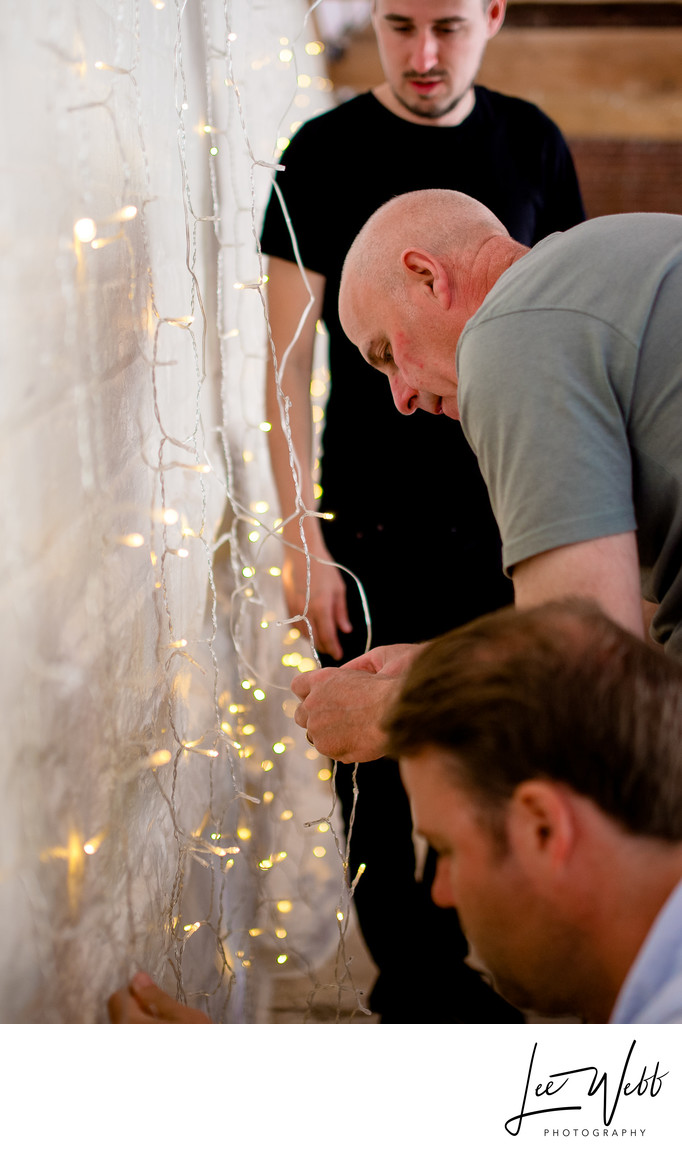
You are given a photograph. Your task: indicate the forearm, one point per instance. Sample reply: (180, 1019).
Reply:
(311, 588)
(290, 445)
(287, 393)
(605, 570)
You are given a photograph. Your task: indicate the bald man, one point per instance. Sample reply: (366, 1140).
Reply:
(564, 363)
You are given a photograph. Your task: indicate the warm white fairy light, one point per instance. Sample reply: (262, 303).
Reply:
(159, 758)
(85, 230)
(121, 215)
(133, 540)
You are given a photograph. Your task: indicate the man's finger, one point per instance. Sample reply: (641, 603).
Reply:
(125, 1009)
(301, 716)
(301, 684)
(327, 638)
(163, 1007)
(341, 617)
(142, 1002)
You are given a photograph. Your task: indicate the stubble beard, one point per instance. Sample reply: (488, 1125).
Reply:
(436, 111)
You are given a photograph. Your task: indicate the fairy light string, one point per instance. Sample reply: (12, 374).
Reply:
(302, 512)
(242, 566)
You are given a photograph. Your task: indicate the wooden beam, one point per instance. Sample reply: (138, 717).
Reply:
(593, 15)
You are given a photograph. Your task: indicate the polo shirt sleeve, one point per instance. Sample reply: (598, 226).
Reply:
(539, 409)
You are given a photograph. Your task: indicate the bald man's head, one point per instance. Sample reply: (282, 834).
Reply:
(445, 223)
(418, 270)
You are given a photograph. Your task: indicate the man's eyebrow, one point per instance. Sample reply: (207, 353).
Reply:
(395, 18)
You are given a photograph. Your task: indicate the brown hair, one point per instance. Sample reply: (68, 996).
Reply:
(560, 692)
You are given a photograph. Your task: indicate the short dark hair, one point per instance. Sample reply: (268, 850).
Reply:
(556, 692)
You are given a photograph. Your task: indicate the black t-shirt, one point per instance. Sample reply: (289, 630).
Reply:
(414, 479)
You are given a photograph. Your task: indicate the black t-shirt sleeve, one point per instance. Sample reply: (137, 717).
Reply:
(304, 199)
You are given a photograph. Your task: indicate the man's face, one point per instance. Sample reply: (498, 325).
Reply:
(430, 52)
(410, 341)
(511, 928)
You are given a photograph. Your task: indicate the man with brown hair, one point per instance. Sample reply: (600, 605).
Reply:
(541, 750)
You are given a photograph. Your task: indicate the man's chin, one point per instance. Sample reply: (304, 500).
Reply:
(533, 1000)
(449, 408)
(427, 109)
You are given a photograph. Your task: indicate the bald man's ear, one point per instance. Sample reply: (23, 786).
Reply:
(427, 272)
(542, 828)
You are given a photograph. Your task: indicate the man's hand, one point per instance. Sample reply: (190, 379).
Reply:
(327, 609)
(141, 1002)
(341, 708)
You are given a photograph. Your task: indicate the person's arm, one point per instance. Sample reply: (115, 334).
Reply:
(605, 570)
(342, 708)
(287, 298)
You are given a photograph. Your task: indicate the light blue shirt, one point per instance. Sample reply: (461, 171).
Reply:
(652, 992)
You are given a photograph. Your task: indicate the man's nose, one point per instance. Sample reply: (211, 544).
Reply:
(425, 52)
(441, 890)
(405, 398)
